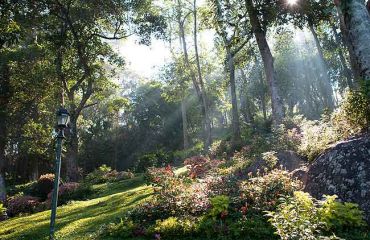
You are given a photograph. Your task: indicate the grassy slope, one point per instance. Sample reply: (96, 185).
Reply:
(80, 219)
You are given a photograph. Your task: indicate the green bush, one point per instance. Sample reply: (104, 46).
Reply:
(351, 118)
(303, 217)
(159, 158)
(98, 175)
(220, 205)
(339, 216)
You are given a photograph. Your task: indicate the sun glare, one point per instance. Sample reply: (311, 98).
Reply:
(292, 2)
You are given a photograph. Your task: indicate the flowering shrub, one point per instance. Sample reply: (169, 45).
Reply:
(174, 194)
(199, 166)
(263, 192)
(44, 185)
(22, 204)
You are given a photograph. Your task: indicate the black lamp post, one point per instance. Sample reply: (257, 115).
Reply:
(62, 121)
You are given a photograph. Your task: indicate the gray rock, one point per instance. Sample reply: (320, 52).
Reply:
(350, 183)
(287, 160)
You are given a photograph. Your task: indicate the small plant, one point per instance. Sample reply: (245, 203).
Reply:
(159, 158)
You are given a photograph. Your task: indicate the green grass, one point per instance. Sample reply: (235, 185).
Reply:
(80, 219)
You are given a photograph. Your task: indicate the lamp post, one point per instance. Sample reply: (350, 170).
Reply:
(62, 121)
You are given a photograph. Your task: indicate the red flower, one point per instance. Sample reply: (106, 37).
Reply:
(244, 209)
(224, 214)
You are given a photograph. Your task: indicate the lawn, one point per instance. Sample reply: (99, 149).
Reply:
(81, 219)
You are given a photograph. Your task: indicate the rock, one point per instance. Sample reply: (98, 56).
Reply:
(344, 170)
(288, 160)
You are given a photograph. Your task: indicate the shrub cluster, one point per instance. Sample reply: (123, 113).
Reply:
(23, 204)
(105, 174)
(303, 217)
(263, 191)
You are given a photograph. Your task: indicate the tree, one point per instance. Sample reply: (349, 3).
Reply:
(77, 29)
(196, 77)
(259, 29)
(356, 20)
(231, 26)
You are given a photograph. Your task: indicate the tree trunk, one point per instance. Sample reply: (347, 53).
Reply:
(346, 70)
(192, 73)
(205, 105)
(345, 37)
(4, 101)
(184, 124)
(357, 22)
(327, 89)
(234, 104)
(268, 62)
(72, 150)
(245, 109)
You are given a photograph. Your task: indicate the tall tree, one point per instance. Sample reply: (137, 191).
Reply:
(196, 77)
(259, 28)
(203, 91)
(231, 26)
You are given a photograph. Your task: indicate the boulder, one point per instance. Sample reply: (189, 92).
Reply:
(344, 170)
(288, 160)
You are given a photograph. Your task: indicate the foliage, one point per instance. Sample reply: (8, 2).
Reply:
(264, 191)
(303, 217)
(3, 214)
(173, 228)
(270, 158)
(339, 216)
(220, 205)
(198, 166)
(349, 119)
(22, 204)
(158, 158)
(353, 116)
(105, 174)
(44, 185)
